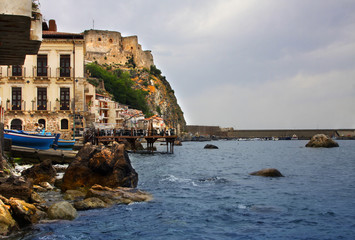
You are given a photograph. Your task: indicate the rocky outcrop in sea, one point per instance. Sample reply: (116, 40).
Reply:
(98, 178)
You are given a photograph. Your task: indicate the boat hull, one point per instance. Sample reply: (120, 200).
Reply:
(37, 141)
(65, 143)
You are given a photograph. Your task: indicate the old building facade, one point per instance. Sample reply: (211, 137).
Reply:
(49, 87)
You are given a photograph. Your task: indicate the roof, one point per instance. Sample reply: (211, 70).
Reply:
(62, 35)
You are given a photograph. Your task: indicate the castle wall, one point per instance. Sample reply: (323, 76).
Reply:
(111, 48)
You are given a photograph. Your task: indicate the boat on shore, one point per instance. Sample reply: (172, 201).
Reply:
(41, 141)
(63, 143)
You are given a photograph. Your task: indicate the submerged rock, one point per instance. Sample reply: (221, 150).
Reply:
(107, 167)
(321, 141)
(62, 210)
(43, 172)
(267, 172)
(210, 146)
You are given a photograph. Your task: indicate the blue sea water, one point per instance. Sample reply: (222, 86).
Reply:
(209, 194)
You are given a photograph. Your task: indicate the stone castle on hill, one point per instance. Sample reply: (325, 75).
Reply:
(111, 48)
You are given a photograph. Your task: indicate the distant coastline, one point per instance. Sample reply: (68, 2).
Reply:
(230, 133)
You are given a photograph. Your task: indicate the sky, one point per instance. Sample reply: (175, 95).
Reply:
(246, 64)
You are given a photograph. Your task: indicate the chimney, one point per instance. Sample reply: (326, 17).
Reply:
(52, 25)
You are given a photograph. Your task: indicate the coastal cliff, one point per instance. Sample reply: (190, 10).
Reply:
(123, 57)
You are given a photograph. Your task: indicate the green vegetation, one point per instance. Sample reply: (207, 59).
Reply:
(119, 84)
(158, 110)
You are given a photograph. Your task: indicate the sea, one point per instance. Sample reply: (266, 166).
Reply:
(208, 194)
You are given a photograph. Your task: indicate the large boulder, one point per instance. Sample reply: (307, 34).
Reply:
(267, 172)
(108, 166)
(42, 172)
(321, 141)
(119, 195)
(7, 223)
(16, 187)
(62, 210)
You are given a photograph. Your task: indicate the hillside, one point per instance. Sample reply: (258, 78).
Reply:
(143, 89)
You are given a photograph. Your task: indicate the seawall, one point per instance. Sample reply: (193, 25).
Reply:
(280, 133)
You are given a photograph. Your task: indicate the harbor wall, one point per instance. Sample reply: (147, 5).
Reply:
(280, 133)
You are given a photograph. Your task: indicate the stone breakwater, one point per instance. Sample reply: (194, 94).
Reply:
(98, 178)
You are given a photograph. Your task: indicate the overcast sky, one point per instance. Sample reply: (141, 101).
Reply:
(247, 64)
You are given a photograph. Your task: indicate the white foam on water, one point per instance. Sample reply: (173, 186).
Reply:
(172, 178)
(20, 168)
(242, 206)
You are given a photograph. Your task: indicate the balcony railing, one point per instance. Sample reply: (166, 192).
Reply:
(50, 106)
(64, 73)
(16, 73)
(41, 73)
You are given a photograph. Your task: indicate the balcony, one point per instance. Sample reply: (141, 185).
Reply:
(41, 75)
(64, 74)
(16, 73)
(33, 106)
(21, 31)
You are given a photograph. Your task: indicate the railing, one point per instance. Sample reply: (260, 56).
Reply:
(16, 73)
(50, 106)
(41, 73)
(63, 73)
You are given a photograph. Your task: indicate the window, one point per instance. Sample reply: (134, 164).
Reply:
(16, 98)
(43, 122)
(16, 124)
(111, 41)
(64, 98)
(64, 124)
(64, 65)
(17, 70)
(41, 98)
(42, 65)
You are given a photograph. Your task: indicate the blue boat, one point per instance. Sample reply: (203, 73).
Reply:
(62, 143)
(41, 141)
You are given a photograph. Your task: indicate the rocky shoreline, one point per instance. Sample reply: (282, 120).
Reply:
(97, 178)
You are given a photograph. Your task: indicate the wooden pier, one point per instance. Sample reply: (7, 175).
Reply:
(36, 155)
(170, 140)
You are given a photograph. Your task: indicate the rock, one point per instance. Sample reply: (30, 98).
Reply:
(74, 195)
(321, 141)
(90, 203)
(7, 223)
(107, 167)
(178, 143)
(16, 187)
(119, 195)
(46, 185)
(210, 146)
(62, 210)
(268, 172)
(43, 172)
(35, 198)
(128, 146)
(24, 213)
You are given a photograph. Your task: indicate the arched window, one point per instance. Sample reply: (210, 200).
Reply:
(64, 124)
(42, 121)
(16, 124)
(111, 41)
